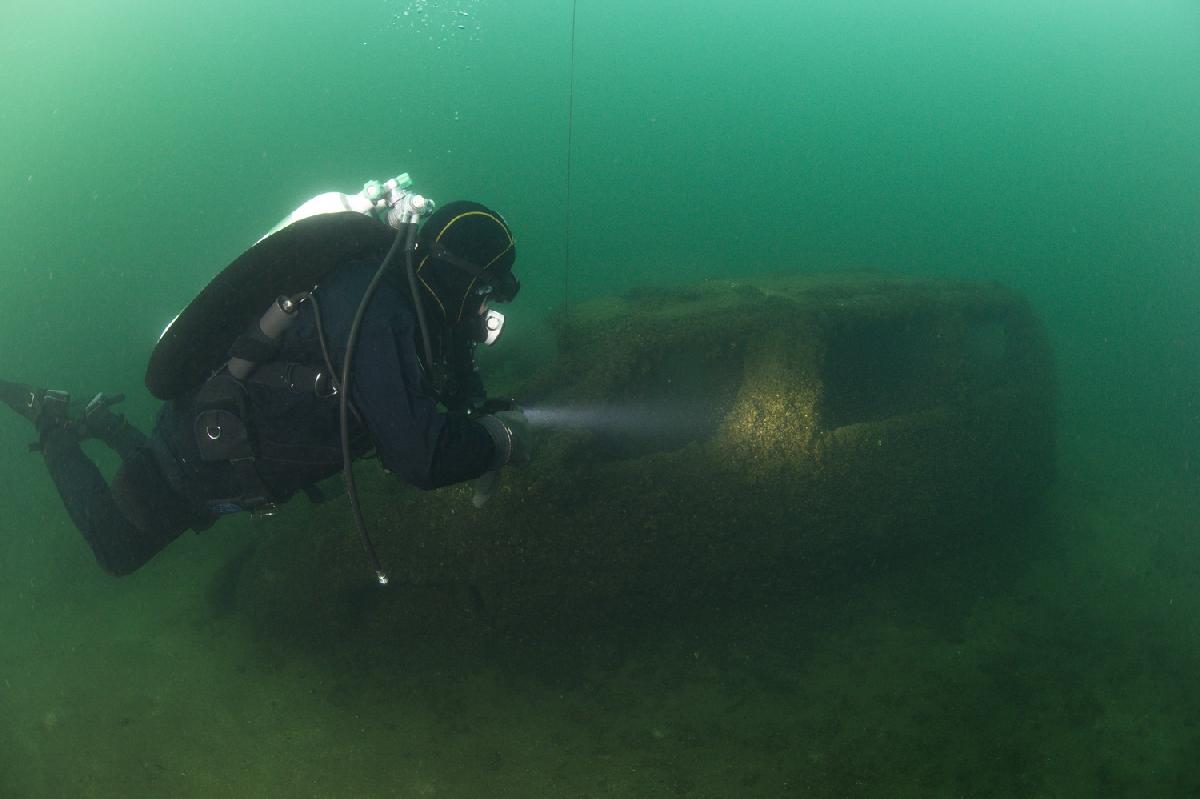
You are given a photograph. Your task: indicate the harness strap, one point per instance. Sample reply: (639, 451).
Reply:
(221, 435)
(254, 346)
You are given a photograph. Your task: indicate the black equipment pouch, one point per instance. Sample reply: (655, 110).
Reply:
(223, 438)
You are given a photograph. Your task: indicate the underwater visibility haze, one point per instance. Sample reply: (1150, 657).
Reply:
(737, 225)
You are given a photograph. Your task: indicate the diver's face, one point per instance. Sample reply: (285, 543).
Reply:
(506, 288)
(502, 290)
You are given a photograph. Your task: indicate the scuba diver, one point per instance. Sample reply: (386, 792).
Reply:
(351, 356)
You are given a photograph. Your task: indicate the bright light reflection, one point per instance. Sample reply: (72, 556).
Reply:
(639, 420)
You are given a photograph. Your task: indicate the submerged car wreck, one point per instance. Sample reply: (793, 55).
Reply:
(742, 434)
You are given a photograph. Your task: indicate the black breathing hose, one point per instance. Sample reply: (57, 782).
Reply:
(407, 235)
(420, 309)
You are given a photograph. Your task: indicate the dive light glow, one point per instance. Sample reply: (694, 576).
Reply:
(637, 420)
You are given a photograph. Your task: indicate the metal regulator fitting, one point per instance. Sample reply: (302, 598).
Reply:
(394, 204)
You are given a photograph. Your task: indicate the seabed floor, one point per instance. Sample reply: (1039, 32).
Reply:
(1059, 662)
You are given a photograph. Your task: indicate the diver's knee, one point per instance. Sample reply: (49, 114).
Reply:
(120, 566)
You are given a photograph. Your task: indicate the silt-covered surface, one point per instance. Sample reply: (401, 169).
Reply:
(734, 436)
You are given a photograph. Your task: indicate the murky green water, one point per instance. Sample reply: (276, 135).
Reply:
(1051, 147)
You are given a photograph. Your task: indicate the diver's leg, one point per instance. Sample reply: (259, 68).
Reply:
(46, 409)
(126, 525)
(113, 429)
(119, 545)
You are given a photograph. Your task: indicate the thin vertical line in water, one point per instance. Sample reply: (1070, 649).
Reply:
(570, 136)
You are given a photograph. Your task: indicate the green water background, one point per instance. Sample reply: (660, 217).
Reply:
(143, 145)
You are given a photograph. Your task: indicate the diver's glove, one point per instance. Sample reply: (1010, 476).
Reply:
(493, 405)
(510, 435)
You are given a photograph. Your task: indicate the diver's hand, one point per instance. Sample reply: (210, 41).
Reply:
(494, 404)
(510, 435)
(518, 428)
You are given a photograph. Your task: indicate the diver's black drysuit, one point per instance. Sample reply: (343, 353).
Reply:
(164, 486)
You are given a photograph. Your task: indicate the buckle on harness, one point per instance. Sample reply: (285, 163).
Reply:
(324, 385)
(222, 436)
